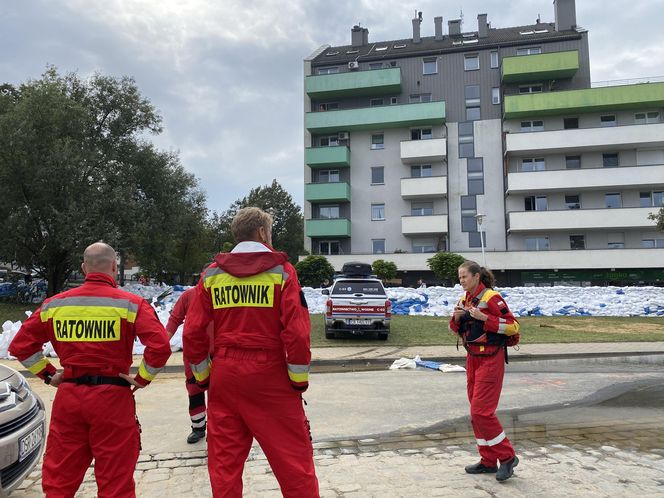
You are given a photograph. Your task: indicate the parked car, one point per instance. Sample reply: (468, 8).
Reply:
(22, 431)
(357, 303)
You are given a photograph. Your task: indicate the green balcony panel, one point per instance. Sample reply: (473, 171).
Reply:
(354, 84)
(611, 98)
(540, 67)
(328, 228)
(318, 192)
(325, 157)
(372, 118)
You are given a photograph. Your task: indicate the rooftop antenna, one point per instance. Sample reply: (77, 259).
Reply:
(539, 19)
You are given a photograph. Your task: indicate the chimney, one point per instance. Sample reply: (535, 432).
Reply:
(565, 14)
(416, 28)
(482, 26)
(359, 36)
(454, 27)
(438, 25)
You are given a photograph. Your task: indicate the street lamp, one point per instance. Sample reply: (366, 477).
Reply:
(480, 218)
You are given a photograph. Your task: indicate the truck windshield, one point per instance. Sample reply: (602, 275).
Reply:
(359, 287)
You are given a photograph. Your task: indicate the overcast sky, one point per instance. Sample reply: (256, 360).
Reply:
(226, 75)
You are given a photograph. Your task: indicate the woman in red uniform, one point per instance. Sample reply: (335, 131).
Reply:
(484, 322)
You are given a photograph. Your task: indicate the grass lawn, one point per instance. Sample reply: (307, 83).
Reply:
(429, 331)
(14, 312)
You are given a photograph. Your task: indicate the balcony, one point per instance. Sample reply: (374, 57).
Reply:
(328, 228)
(327, 192)
(540, 67)
(585, 179)
(327, 157)
(354, 84)
(585, 139)
(580, 219)
(423, 151)
(372, 118)
(614, 98)
(424, 187)
(434, 224)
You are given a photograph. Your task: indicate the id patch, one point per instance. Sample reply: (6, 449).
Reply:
(86, 329)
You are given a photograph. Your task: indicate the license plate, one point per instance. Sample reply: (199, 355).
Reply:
(359, 322)
(30, 442)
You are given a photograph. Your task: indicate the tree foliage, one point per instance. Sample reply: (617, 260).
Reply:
(445, 265)
(314, 270)
(75, 167)
(385, 270)
(288, 228)
(658, 218)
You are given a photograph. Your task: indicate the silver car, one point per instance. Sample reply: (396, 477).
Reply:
(22, 429)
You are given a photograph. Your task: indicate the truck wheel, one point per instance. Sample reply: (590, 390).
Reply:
(382, 336)
(329, 334)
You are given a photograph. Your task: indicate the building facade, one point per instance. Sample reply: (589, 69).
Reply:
(489, 143)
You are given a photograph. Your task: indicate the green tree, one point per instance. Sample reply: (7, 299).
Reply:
(76, 167)
(288, 228)
(445, 265)
(313, 270)
(385, 270)
(658, 218)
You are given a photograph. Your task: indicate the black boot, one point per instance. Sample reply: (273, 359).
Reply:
(480, 468)
(196, 435)
(507, 469)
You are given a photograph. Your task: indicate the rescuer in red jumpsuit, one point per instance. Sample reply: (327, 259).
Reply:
(92, 329)
(260, 364)
(484, 322)
(195, 392)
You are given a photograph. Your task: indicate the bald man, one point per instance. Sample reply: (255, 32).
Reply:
(92, 329)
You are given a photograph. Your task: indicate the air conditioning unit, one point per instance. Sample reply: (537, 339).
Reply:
(343, 135)
(353, 65)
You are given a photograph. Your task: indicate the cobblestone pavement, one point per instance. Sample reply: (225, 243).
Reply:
(612, 458)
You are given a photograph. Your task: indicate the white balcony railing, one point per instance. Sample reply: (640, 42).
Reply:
(423, 151)
(424, 187)
(424, 225)
(581, 219)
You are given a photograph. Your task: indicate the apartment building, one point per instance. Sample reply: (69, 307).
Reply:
(491, 143)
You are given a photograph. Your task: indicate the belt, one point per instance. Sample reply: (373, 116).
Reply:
(98, 380)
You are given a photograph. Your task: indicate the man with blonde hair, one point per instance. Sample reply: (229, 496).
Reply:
(92, 329)
(260, 360)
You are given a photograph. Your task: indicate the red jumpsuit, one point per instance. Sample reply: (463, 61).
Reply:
(92, 329)
(259, 368)
(485, 368)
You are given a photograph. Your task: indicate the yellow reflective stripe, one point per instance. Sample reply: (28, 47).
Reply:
(82, 312)
(202, 375)
(201, 371)
(35, 368)
(147, 372)
(298, 377)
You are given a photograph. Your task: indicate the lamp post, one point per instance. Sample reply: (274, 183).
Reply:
(480, 219)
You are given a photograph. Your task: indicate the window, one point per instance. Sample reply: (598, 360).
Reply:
(468, 224)
(466, 150)
(610, 160)
(420, 170)
(577, 242)
(475, 168)
(652, 243)
(328, 176)
(468, 205)
(494, 59)
(328, 70)
(537, 244)
(429, 65)
(607, 121)
(572, 162)
(474, 239)
(377, 212)
(495, 95)
(421, 97)
(466, 147)
(573, 201)
(528, 51)
(570, 123)
(421, 134)
(375, 65)
(613, 200)
(616, 240)
(376, 102)
(472, 113)
(472, 94)
(532, 126)
(536, 203)
(651, 199)
(531, 88)
(422, 246)
(536, 164)
(378, 246)
(329, 247)
(421, 208)
(328, 212)
(394, 100)
(377, 175)
(471, 62)
(328, 106)
(377, 141)
(331, 141)
(646, 117)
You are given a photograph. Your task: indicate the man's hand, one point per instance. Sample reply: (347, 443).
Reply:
(56, 380)
(132, 381)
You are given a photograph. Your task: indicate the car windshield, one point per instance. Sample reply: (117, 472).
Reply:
(359, 287)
